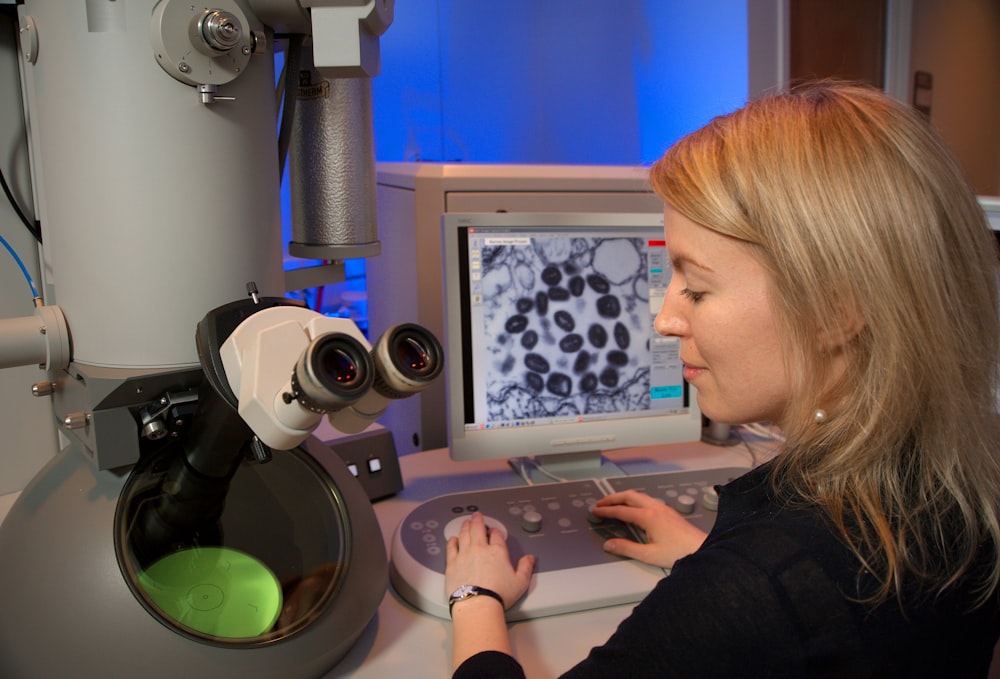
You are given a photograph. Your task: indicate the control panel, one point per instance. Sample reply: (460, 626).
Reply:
(552, 521)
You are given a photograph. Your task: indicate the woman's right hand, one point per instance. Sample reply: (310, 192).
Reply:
(669, 535)
(478, 556)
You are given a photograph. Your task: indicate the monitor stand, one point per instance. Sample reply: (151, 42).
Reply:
(590, 464)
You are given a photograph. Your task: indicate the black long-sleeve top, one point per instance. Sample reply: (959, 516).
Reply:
(774, 592)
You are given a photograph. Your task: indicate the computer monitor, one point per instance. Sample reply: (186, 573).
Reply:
(550, 351)
(991, 206)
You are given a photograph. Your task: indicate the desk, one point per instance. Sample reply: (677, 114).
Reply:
(402, 641)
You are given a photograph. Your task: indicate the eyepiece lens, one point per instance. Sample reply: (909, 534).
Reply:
(333, 372)
(412, 353)
(407, 358)
(337, 365)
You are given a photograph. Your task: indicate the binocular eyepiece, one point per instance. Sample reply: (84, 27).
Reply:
(337, 373)
(289, 366)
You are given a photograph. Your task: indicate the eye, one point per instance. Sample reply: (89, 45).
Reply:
(692, 295)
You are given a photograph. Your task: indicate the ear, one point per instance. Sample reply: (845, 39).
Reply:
(841, 329)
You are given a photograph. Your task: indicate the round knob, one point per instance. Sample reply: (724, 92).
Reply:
(220, 30)
(154, 430)
(43, 388)
(76, 420)
(531, 522)
(685, 504)
(710, 500)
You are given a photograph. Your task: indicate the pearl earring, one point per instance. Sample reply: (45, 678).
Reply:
(819, 416)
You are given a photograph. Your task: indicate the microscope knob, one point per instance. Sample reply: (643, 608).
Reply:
(531, 522)
(685, 504)
(154, 430)
(710, 500)
(43, 388)
(261, 451)
(76, 420)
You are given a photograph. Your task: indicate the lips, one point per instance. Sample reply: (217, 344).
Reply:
(691, 372)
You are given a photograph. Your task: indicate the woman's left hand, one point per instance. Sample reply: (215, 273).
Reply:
(669, 536)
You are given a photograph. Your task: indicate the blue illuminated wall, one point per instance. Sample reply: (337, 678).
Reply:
(535, 81)
(606, 82)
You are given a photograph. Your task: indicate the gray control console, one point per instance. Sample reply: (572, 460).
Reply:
(692, 493)
(553, 522)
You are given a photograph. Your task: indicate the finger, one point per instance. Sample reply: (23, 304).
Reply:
(467, 530)
(464, 536)
(495, 536)
(626, 548)
(478, 530)
(619, 512)
(630, 498)
(525, 566)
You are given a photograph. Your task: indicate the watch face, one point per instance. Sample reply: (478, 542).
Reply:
(463, 592)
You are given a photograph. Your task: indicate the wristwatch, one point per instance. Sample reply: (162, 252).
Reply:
(469, 591)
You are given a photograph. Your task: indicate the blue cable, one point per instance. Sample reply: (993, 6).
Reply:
(24, 269)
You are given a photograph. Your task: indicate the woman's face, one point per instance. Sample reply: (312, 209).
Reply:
(718, 305)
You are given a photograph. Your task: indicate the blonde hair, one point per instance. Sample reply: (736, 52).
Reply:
(874, 241)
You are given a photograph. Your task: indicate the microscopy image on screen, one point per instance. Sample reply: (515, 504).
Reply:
(568, 324)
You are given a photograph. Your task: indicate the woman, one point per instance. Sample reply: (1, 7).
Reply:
(833, 274)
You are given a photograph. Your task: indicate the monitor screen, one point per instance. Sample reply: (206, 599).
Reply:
(550, 351)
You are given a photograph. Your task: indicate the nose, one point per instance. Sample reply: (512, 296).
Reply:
(671, 321)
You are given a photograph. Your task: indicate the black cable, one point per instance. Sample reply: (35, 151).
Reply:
(34, 228)
(291, 84)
